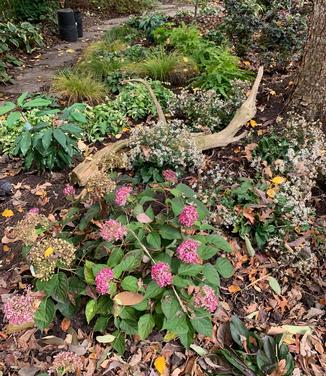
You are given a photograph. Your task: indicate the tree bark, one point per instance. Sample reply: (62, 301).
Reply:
(310, 88)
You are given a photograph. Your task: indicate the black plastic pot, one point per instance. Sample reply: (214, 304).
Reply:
(79, 21)
(67, 25)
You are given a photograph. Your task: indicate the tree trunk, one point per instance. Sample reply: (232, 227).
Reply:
(310, 89)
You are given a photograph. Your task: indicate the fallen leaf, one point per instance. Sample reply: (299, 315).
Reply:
(65, 324)
(271, 192)
(7, 213)
(278, 180)
(234, 288)
(70, 50)
(160, 365)
(127, 298)
(107, 338)
(143, 218)
(292, 329)
(5, 248)
(275, 286)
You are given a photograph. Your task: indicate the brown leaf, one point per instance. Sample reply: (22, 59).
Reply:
(127, 298)
(234, 289)
(249, 214)
(65, 324)
(281, 369)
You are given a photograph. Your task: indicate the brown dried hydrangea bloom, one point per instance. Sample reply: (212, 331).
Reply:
(112, 161)
(49, 254)
(99, 185)
(25, 230)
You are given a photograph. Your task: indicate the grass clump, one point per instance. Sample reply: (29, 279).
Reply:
(76, 87)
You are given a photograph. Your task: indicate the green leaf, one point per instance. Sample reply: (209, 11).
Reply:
(90, 310)
(131, 261)
(177, 204)
(21, 98)
(91, 213)
(177, 325)
(238, 330)
(37, 102)
(185, 190)
(170, 305)
(60, 137)
(189, 270)
(130, 283)
(115, 257)
(47, 138)
(180, 282)
(61, 288)
(13, 118)
(88, 272)
(211, 275)
(152, 290)
(224, 267)
(219, 242)
(249, 247)
(119, 342)
(170, 233)
(154, 240)
(6, 107)
(275, 286)
(202, 325)
(146, 325)
(199, 350)
(25, 143)
(206, 252)
(45, 313)
(101, 324)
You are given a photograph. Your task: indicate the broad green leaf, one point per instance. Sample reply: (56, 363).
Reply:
(60, 137)
(199, 350)
(61, 288)
(211, 275)
(37, 102)
(130, 283)
(146, 325)
(189, 270)
(115, 257)
(21, 98)
(88, 272)
(219, 242)
(170, 233)
(275, 286)
(101, 324)
(47, 138)
(131, 261)
(205, 252)
(119, 342)
(152, 290)
(224, 267)
(185, 190)
(25, 143)
(45, 313)
(154, 240)
(180, 282)
(13, 118)
(7, 107)
(91, 213)
(238, 330)
(202, 325)
(249, 247)
(177, 204)
(90, 310)
(170, 305)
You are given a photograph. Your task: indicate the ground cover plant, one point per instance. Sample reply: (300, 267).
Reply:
(161, 212)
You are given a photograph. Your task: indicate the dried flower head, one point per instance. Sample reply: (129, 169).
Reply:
(20, 309)
(187, 252)
(47, 255)
(25, 230)
(69, 190)
(121, 195)
(113, 161)
(188, 216)
(206, 298)
(99, 185)
(112, 230)
(161, 274)
(66, 362)
(170, 176)
(102, 280)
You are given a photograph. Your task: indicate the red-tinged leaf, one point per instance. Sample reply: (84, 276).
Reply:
(127, 298)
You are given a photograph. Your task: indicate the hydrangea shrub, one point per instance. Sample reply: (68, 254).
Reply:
(135, 262)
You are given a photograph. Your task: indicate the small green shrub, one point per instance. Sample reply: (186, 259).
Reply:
(124, 6)
(103, 121)
(165, 66)
(271, 147)
(76, 87)
(147, 24)
(29, 10)
(135, 102)
(125, 33)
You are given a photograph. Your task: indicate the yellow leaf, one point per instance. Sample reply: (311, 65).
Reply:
(233, 289)
(7, 213)
(247, 63)
(6, 248)
(271, 192)
(169, 336)
(125, 129)
(117, 136)
(48, 252)
(253, 123)
(272, 92)
(185, 59)
(160, 365)
(70, 50)
(278, 180)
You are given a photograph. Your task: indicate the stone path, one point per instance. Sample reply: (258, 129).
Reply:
(39, 75)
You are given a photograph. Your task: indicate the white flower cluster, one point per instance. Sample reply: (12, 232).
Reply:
(164, 145)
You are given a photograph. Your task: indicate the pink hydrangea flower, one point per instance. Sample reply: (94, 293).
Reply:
(20, 309)
(188, 216)
(121, 195)
(161, 274)
(187, 252)
(206, 298)
(34, 211)
(170, 176)
(69, 190)
(66, 362)
(102, 280)
(112, 230)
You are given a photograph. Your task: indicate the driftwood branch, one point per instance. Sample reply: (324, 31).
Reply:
(90, 166)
